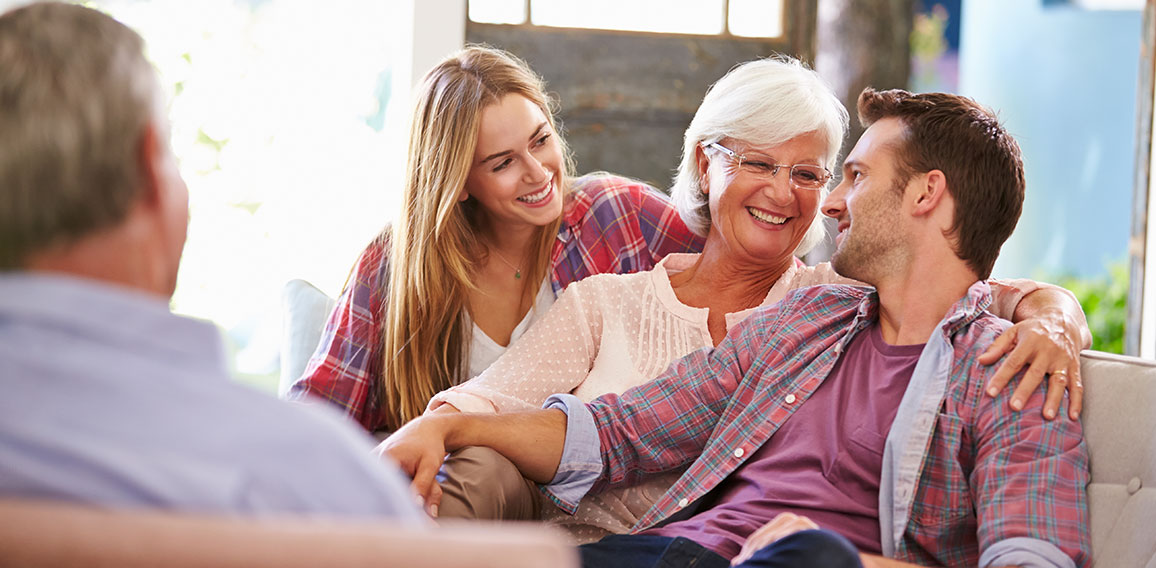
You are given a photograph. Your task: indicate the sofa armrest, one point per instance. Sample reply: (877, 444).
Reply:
(45, 534)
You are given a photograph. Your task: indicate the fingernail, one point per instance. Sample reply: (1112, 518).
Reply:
(1050, 414)
(992, 391)
(433, 511)
(1017, 404)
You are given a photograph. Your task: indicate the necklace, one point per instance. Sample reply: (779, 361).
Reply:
(517, 270)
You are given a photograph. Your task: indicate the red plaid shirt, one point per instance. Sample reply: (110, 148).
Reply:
(610, 225)
(976, 474)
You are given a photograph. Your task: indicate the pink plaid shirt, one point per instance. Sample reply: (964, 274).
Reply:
(963, 474)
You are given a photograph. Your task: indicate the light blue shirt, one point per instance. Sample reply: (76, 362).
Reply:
(108, 398)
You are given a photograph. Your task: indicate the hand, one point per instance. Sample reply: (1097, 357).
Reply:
(419, 449)
(783, 525)
(1047, 344)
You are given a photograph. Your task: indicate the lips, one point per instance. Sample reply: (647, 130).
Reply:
(766, 216)
(538, 196)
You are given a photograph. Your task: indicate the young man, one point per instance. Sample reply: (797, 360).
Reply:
(109, 398)
(865, 416)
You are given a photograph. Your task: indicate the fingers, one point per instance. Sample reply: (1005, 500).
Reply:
(1012, 365)
(1057, 385)
(1002, 344)
(434, 500)
(1045, 350)
(1028, 384)
(1075, 392)
(425, 484)
(783, 525)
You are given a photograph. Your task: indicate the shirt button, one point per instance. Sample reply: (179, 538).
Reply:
(739, 453)
(838, 348)
(790, 399)
(682, 503)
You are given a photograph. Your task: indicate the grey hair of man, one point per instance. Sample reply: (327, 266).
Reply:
(76, 95)
(765, 102)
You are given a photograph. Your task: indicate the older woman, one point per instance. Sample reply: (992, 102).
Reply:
(757, 160)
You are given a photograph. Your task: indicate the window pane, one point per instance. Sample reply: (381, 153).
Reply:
(669, 16)
(284, 145)
(756, 18)
(498, 11)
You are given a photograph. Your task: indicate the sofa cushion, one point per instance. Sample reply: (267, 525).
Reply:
(1120, 427)
(305, 309)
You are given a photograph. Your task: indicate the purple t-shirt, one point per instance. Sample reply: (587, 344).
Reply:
(824, 462)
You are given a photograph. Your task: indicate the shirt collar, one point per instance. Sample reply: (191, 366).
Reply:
(964, 311)
(112, 314)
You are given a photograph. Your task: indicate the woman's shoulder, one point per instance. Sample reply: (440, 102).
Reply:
(371, 269)
(601, 189)
(609, 287)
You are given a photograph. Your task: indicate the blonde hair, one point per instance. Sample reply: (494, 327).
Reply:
(434, 247)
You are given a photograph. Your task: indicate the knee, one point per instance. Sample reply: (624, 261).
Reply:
(479, 483)
(482, 466)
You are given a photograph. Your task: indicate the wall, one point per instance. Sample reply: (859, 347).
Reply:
(1064, 81)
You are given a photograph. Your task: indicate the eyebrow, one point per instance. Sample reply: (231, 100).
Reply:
(505, 152)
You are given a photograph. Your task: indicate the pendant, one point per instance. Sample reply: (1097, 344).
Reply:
(518, 274)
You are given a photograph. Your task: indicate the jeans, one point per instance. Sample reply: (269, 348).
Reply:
(812, 548)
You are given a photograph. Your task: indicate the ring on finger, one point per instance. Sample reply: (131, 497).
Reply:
(1060, 375)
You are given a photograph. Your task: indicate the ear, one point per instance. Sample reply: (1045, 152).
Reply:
(703, 164)
(463, 196)
(930, 192)
(151, 156)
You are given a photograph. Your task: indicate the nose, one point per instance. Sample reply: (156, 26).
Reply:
(778, 186)
(836, 202)
(536, 171)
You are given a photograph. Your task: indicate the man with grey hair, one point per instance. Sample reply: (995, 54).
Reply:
(109, 398)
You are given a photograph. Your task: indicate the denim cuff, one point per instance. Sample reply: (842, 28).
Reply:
(581, 464)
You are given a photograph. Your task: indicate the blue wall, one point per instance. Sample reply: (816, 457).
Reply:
(1063, 80)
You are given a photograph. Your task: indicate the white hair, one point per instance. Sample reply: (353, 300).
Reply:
(765, 102)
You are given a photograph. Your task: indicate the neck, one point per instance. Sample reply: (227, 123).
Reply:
(728, 280)
(117, 256)
(915, 299)
(512, 244)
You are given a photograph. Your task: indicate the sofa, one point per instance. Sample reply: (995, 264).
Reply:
(1119, 424)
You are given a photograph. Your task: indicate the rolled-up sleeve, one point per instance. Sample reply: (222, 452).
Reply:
(581, 462)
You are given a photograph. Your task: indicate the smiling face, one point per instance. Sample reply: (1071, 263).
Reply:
(517, 165)
(761, 218)
(867, 205)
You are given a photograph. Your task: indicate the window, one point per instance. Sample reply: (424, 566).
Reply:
(744, 18)
(280, 111)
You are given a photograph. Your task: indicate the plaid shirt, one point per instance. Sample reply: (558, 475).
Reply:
(610, 225)
(962, 474)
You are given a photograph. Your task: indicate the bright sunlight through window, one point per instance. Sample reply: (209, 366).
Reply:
(279, 121)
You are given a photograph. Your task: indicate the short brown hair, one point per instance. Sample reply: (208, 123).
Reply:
(981, 161)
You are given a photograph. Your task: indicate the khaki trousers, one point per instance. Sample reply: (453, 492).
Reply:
(479, 483)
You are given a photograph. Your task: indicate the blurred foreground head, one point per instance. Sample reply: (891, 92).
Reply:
(88, 183)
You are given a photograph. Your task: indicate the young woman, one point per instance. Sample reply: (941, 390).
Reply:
(492, 226)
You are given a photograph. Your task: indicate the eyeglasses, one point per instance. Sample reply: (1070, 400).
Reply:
(804, 176)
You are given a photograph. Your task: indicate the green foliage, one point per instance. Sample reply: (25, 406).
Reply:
(1105, 301)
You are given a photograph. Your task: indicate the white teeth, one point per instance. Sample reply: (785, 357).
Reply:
(762, 216)
(536, 197)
